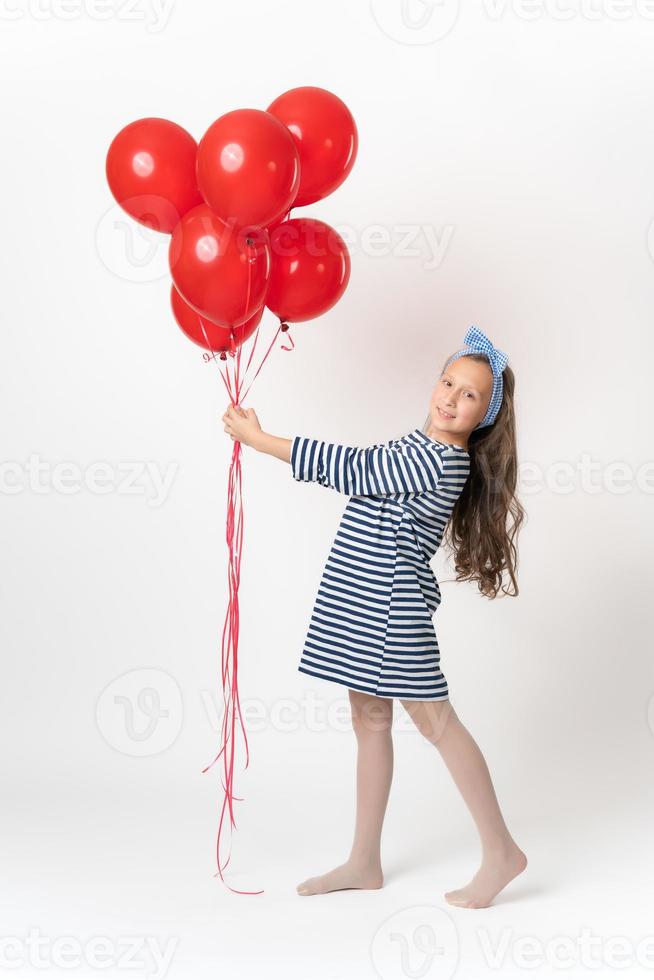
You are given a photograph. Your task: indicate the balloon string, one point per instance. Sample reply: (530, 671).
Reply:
(265, 357)
(231, 627)
(229, 662)
(229, 645)
(256, 338)
(249, 242)
(292, 344)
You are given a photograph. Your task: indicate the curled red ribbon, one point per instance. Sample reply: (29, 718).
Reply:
(234, 539)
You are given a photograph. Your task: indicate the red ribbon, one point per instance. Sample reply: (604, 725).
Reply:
(234, 539)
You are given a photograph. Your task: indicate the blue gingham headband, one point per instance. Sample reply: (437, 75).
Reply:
(477, 342)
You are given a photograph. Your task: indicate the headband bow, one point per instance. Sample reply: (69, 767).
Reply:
(477, 342)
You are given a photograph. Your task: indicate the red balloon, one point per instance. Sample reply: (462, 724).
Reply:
(207, 334)
(150, 169)
(248, 167)
(211, 264)
(326, 136)
(310, 269)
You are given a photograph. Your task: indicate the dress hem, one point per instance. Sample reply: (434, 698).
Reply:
(365, 690)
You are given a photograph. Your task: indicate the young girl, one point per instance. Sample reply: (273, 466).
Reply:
(371, 627)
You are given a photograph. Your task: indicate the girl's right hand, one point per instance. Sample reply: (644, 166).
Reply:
(242, 424)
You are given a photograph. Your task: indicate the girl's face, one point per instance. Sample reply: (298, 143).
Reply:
(460, 398)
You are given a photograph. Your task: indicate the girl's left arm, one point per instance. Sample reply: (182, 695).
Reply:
(395, 467)
(385, 468)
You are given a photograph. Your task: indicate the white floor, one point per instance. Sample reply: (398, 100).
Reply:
(124, 851)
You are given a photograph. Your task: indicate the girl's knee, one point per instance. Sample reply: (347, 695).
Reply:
(431, 718)
(370, 713)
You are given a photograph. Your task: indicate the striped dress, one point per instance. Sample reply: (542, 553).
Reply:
(371, 626)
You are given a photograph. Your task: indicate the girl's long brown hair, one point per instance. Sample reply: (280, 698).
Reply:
(487, 516)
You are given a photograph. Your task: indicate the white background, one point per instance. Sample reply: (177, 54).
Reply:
(521, 139)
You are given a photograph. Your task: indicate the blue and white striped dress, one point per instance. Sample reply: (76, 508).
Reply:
(371, 626)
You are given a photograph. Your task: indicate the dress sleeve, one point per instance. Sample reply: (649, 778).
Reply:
(393, 467)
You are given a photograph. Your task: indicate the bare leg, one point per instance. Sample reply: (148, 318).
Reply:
(502, 859)
(372, 719)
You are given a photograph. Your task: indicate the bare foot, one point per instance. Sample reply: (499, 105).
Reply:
(493, 875)
(346, 875)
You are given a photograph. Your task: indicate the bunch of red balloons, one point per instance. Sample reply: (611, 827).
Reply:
(226, 203)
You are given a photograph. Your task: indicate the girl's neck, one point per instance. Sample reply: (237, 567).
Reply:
(446, 437)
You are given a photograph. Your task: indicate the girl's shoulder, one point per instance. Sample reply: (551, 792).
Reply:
(444, 448)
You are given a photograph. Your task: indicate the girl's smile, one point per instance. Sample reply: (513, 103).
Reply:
(466, 386)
